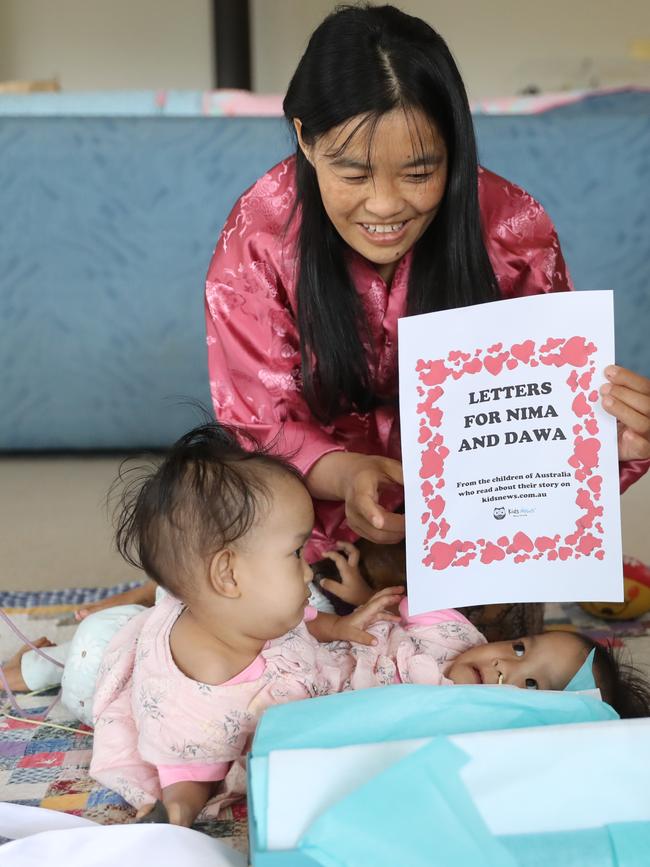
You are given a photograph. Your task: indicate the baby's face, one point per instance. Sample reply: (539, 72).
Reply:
(546, 661)
(271, 570)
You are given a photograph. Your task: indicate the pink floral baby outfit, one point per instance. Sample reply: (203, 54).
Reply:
(154, 726)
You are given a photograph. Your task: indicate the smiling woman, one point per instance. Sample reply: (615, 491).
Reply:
(383, 212)
(378, 191)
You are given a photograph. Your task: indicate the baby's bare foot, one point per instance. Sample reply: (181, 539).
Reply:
(150, 814)
(12, 668)
(143, 594)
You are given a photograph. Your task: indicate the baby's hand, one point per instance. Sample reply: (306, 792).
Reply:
(352, 588)
(353, 626)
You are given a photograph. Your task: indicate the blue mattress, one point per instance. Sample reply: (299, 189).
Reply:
(108, 224)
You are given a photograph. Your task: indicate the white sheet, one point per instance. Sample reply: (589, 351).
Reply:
(58, 840)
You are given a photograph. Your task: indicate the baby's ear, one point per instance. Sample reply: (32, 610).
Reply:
(222, 574)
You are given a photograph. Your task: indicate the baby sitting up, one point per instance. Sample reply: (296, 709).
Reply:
(179, 688)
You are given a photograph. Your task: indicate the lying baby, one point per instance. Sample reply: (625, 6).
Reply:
(177, 690)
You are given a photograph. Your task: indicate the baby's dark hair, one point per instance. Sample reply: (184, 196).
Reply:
(206, 494)
(621, 685)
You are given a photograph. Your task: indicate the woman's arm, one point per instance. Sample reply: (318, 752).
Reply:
(254, 359)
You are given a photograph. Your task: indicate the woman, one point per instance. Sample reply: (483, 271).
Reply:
(382, 212)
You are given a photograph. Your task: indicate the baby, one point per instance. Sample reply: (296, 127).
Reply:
(180, 687)
(545, 661)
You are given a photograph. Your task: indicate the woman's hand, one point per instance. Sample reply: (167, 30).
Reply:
(352, 588)
(364, 514)
(358, 479)
(626, 396)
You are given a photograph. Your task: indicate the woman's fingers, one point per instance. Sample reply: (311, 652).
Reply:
(626, 396)
(388, 522)
(380, 537)
(364, 513)
(365, 496)
(393, 471)
(365, 505)
(633, 447)
(367, 518)
(634, 400)
(367, 531)
(635, 438)
(628, 379)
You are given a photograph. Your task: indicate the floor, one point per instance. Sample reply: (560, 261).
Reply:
(56, 527)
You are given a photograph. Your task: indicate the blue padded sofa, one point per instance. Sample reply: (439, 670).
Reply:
(110, 210)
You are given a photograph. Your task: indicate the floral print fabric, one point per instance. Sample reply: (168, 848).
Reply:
(150, 717)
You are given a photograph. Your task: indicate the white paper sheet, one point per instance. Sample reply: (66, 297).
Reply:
(510, 462)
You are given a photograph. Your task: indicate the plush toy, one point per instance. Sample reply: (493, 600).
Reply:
(636, 582)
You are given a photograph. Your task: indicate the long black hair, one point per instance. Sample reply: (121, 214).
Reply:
(623, 686)
(364, 61)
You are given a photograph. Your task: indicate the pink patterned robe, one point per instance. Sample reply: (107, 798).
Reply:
(252, 336)
(155, 726)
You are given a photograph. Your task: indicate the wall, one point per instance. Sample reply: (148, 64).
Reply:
(108, 44)
(501, 46)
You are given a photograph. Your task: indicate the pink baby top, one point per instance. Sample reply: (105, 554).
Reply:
(155, 726)
(252, 335)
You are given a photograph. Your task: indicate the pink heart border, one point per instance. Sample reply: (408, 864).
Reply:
(587, 539)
